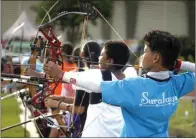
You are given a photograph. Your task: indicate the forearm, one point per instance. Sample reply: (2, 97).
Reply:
(68, 100)
(64, 99)
(68, 107)
(82, 79)
(65, 107)
(90, 79)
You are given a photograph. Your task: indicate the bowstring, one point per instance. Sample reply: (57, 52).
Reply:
(82, 39)
(83, 36)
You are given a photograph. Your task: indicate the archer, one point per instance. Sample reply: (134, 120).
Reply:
(114, 52)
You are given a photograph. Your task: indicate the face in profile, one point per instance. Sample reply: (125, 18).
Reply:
(103, 60)
(147, 58)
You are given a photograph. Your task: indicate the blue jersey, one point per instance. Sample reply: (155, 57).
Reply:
(147, 105)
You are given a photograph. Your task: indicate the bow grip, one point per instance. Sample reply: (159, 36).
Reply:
(35, 97)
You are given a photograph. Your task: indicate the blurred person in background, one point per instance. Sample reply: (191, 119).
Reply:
(7, 67)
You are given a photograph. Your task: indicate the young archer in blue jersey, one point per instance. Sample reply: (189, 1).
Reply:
(148, 102)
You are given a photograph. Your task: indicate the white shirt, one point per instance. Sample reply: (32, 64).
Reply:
(104, 120)
(130, 72)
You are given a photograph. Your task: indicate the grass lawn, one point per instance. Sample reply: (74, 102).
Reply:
(179, 125)
(10, 115)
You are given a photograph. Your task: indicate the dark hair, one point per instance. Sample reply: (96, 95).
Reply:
(118, 51)
(92, 51)
(67, 49)
(164, 43)
(76, 57)
(76, 52)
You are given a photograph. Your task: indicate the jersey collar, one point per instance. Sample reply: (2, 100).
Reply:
(161, 75)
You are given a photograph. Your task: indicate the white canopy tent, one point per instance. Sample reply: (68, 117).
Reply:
(21, 26)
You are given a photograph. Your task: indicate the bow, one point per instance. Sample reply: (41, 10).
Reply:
(55, 51)
(36, 48)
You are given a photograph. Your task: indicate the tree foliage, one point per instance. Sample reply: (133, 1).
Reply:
(188, 49)
(72, 23)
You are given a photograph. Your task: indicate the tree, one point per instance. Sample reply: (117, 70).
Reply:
(72, 23)
(188, 49)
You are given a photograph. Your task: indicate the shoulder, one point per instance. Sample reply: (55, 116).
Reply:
(136, 79)
(183, 75)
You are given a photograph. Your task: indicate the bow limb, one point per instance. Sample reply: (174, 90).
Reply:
(46, 16)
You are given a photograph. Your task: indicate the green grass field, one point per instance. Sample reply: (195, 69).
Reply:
(179, 125)
(10, 115)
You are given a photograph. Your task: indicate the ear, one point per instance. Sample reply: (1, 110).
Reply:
(111, 61)
(156, 58)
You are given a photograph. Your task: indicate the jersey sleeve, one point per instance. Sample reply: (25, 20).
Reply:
(185, 83)
(120, 92)
(90, 79)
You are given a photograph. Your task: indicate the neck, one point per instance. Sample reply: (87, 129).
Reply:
(118, 73)
(157, 69)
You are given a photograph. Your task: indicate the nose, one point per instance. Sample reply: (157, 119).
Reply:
(99, 58)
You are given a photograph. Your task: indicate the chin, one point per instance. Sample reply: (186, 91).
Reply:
(100, 66)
